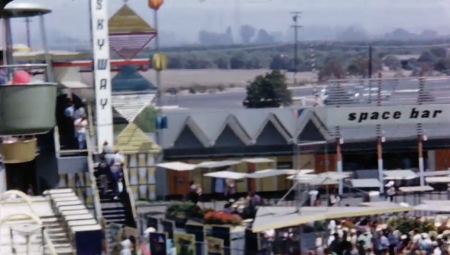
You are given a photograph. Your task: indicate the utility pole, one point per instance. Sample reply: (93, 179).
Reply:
(27, 25)
(296, 26)
(370, 62)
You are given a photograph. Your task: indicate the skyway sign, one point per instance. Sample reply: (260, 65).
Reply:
(387, 115)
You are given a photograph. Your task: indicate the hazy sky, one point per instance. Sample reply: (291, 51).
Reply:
(186, 17)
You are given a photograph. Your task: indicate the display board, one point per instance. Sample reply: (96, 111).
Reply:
(224, 233)
(168, 228)
(215, 246)
(185, 244)
(158, 245)
(198, 230)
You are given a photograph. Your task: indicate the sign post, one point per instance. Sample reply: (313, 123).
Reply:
(102, 72)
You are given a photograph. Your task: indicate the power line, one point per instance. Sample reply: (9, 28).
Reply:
(277, 45)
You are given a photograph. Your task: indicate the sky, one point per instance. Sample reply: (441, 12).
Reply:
(185, 18)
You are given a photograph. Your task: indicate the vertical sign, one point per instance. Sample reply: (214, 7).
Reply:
(102, 72)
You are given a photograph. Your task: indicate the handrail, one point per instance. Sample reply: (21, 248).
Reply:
(57, 142)
(130, 194)
(90, 119)
(50, 245)
(97, 206)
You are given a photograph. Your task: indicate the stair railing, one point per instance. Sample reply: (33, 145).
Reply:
(94, 188)
(130, 195)
(49, 243)
(57, 142)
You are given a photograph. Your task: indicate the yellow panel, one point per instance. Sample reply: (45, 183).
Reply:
(142, 172)
(133, 161)
(80, 180)
(151, 159)
(133, 176)
(283, 183)
(151, 175)
(89, 197)
(134, 189)
(307, 161)
(152, 192)
(142, 159)
(143, 192)
(62, 181)
(88, 179)
(241, 184)
(267, 184)
(71, 180)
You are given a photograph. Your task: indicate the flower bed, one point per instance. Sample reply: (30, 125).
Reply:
(182, 212)
(220, 218)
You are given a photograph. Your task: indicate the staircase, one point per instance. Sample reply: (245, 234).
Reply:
(18, 246)
(113, 210)
(58, 235)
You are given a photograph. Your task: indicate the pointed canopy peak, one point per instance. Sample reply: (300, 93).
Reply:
(132, 140)
(125, 20)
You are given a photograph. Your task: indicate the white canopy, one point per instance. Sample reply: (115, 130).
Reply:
(366, 183)
(400, 175)
(177, 166)
(258, 160)
(335, 175)
(217, 164)
(227, 175)
(415, 189)
(275, 172)
(443, 179)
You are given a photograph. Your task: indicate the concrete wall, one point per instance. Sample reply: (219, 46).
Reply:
(71, 165)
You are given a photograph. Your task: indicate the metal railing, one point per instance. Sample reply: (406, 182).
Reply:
(96, 196)
(387, 91)
(130, 194)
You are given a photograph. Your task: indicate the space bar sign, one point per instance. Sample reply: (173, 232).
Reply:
(387, 115)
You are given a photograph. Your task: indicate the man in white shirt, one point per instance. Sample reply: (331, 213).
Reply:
(81, 125)
(117, 161)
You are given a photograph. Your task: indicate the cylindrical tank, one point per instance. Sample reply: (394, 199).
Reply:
(27, 109)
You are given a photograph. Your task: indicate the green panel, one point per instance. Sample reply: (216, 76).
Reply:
(27, 109)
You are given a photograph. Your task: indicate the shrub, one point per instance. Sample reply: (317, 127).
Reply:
(405, 225)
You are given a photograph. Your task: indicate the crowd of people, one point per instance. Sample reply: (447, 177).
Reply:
(110, 170)
(369, 237)
(74, 126)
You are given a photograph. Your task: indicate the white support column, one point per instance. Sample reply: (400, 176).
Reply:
(102, 72)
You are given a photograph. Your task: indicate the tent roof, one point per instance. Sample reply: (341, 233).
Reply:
(133, 140)
(280, 217)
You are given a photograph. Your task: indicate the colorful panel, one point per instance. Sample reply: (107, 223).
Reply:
(142, 160)
(133, 172)
(152, 192)
(143, 192)
(152, 176)
(142, 173)
(241, 184)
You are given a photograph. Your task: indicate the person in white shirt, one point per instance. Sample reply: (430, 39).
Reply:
(117, 161)
(390, 192)
(81, 125)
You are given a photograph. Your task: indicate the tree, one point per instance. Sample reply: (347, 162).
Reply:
(268, 91)
(280, 62)
(237, 61)
(247, 32)
(426, 57)
(359, 66)
(332, 69)
(264, 38)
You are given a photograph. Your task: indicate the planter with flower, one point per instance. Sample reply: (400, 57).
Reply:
(181, 212)
(220, 218)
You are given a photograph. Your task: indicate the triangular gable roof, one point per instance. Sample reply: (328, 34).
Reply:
(272, 118)
(251, 121)
(130, 80)
(126, 20)
(133, 140)
(308, 116)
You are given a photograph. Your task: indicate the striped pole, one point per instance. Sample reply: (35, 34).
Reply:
(312, 58)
